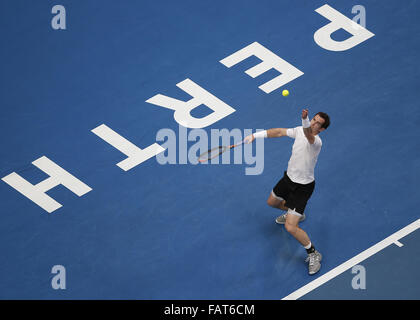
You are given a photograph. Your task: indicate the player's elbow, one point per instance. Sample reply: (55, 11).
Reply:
(282, 132)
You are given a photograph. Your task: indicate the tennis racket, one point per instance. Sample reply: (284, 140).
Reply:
(215, 152)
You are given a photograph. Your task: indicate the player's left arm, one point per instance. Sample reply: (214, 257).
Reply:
(307, 127)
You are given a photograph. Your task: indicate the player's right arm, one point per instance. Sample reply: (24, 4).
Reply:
(276, 132)
(270, 133)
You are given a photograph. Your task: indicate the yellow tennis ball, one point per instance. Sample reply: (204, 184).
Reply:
(285, 93)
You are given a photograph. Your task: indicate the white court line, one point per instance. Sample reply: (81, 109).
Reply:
(354, 261)
(398, 243)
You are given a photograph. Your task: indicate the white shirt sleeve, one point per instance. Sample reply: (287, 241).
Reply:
(291, 133)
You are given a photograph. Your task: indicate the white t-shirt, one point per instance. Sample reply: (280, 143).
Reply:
(304, 156)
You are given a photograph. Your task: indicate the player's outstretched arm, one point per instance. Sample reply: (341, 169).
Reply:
(276, 132)
(307, 127)
(270, 133)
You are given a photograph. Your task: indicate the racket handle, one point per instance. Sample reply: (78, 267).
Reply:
(238, 144)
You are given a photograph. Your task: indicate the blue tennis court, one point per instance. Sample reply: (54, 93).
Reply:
(182, 230)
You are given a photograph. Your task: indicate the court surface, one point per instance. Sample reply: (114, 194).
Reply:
(187, 231)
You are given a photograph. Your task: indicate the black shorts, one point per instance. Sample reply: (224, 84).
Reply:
(295, 194)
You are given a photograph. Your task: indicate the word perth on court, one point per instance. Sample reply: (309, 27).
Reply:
(182, 109)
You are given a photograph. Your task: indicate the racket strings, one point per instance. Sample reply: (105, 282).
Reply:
(212, 153)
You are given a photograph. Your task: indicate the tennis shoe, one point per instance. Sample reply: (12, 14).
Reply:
(282, 219)
(314, 262)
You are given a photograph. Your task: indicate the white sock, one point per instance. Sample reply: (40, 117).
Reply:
(308, 246)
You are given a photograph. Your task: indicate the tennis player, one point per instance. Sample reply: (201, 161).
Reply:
(293, 191)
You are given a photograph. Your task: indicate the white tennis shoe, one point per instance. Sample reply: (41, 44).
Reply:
(282, 219)
(314, 262)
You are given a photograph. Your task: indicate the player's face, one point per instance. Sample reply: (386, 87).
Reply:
(316, 123)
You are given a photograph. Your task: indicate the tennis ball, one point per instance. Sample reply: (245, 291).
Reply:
(285, 93)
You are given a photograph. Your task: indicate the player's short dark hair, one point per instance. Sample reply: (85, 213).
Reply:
(326, 117)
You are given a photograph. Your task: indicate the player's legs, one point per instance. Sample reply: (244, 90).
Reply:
(279, 194)
(276, 202)
(292, 226)
(279, 203)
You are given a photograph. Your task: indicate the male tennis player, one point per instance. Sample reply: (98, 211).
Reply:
(293, 191)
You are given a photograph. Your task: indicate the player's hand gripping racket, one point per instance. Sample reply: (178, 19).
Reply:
(215, 152)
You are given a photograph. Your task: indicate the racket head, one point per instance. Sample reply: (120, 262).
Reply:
(212, 153)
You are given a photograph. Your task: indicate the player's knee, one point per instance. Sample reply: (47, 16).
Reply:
(271, 202)
(282, 206)
(275, 203)
(292, 229)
